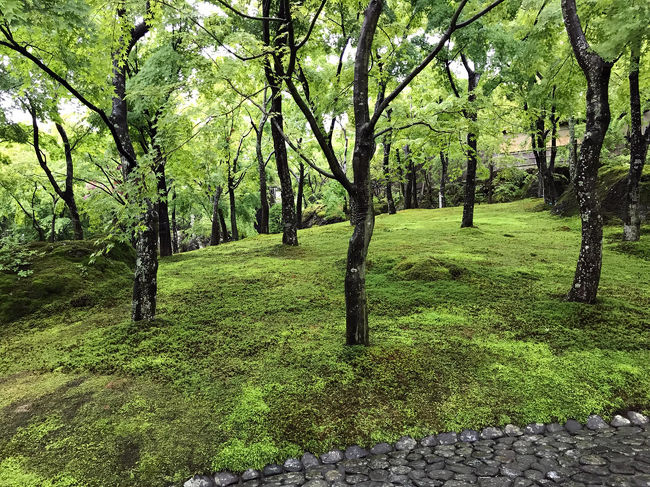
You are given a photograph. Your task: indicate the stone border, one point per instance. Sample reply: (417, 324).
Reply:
(252, 477)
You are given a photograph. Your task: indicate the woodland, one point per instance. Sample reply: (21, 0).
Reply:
(232, 232)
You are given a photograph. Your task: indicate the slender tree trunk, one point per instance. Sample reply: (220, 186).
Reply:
(53, 224)
(387, 178)
(224, 228)
(299, 202)
(472, 153)
(289, 230)
(638, 149)
(174, 226)
(414, 185)
(261, 169)
(402, 184)
(164, 230)
(233, 211)
(490, 185)
(215, 235)
(597, 72)
(408, 185)
(444, 164)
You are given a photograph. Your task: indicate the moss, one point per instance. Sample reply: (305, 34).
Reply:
(246, 365)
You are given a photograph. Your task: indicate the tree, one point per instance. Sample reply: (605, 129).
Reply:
(597, 72)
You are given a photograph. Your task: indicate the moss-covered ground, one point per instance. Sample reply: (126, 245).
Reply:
(246, 363)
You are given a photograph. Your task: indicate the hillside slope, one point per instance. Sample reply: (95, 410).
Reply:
(246, 363)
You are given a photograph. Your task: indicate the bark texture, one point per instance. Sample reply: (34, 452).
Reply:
(444, 164)
(389, 184)
(472, 149)
(597, 71)
(215, 234)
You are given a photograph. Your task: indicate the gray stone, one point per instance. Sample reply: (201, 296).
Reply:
(595, 422)
(309, 460)
(272, 469)
(381, 448)
(406, 443)
(224, 479)
(315, 483)
(333, 456)
(293, 465)
(334, 476)
(554, 428)
(535, 429)
(618, 421)
(447, 438)
(379, 475)
(250, 474)
(572, 426)
(592, 460)
(637, 419)
(199, 481)
(491, 433)
(429, 441)
(440, 474)
(469, 436)
(512, 430)
(495, 482)
(356, 478)
(355, 451)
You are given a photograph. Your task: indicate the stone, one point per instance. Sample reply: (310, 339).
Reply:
(512, 430)
(355, 451)
(491, 433)
(379, 475)
(406, 443)
(469, 436)
(381, 448)
(572, 426)
(618, 421)
(535, 429)
(637, 419)
(272, 469)
(309, 460)
(592, 460)
(429, 441)
(333, 456)
(440, 474)
(315, 483)
(224, 479)
(356, 478)
(292, 465)
(447, 438)
(495, 482)
(199, 481)
(333, 476)
(595, 422)
(554, 428)
(250, 474)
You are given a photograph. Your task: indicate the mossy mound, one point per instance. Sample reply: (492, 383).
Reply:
(61, 274)
(426, 268)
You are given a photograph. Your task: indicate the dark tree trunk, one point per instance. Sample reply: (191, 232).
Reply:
(414, 185)
(164, 230)
(224, 228)
(215, 235)
(301, 187)
(402, 184)
(174, 226)
(490, 183)
(233, 210)
(263, 218)
(289, 230)
(408, 185)
(472, 151)
(573, 150)
(387, 178)
(638, 149)
(444, 164)
(597, 72)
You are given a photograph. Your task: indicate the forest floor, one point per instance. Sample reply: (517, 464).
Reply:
(246, 363)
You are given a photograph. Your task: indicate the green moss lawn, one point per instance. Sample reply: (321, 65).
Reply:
(246, 364)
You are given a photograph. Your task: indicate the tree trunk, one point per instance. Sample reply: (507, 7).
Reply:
(472, 153)
(164, 231)
(174, 226)
(490, 184)
(76, 220)
(414, 185)
(224, 228)
(387, 178)
(215, 235)
(408, 185)
(299, 202)
(289, 227)
(597, 72)
(400, 173)
(146, 268)
(573, 150)
(233, 210)
(261, 169)
(444, 164)
(638, 148)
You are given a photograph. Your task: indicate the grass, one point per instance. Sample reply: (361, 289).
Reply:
(246, 364)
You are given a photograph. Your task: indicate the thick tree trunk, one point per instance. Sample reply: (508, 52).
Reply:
(472, 152)
(387, 178)
(300, 198)
(444, 164)
(597, 72)
(146, 269)
(638, 149)
(164, 230)
(76, 220)
(174, 226)
(215, 235)
(233, 211)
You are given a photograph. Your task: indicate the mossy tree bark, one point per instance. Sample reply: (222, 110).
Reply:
(597, 71)
(638, 151)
